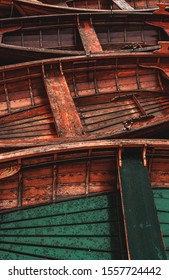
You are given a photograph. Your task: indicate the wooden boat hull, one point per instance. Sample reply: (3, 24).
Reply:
(23, 7)
(59, 172)
(24, 39)
(47, 173)
(84, 228)
(101, 96)
(102, 234)
(27, 8)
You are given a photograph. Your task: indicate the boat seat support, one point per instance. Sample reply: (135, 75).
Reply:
(89, 37)
(66, 118)
(143, 234)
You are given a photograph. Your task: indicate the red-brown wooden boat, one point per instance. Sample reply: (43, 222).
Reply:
(35, 7)
(95, 97)
(47, 173)
(10, 8)
(64, 199)
(24, 39)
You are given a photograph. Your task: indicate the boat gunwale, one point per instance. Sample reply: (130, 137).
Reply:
(80, 146)
(83, 58)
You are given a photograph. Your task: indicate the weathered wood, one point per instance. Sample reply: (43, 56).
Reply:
(55, 37)
(89, 38)
(50, 173)
(8, 172)
(82, 146)
(123, 5)
(64, 111)
(87, 95)
(35, 7)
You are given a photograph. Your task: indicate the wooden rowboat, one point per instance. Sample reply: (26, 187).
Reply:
(88, 180)
(10, 8)
(24, 39)
(34, 7)
(92, 97)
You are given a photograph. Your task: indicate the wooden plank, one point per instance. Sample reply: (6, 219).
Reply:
(66, 118)
(28, 113)
(85, 228)
(89, 37)
(143, 234)
(123, 5)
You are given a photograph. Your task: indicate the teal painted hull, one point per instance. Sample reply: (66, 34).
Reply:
(85, 228)
(161, 198)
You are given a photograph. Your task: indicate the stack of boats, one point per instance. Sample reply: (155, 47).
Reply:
(84, 90)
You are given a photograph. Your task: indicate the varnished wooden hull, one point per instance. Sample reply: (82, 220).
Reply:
(95, 97)
(27, 8)
(47, 173)
(25, 39)
(75, 172)
(114, 4)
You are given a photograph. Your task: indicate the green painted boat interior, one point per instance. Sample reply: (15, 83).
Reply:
(145, 241)
(161, 198)
(85, 228)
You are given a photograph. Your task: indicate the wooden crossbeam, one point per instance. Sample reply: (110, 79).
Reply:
(89, 37)
(65, 115)
(123, 5)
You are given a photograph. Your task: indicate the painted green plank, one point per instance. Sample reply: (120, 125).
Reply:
(163, 216)
(164, 228)
(166, 241)
(81, 229)
(161, 198)
(93, 231)
(90, 242)
(161, 193)
(7, 255)
(143, 229)
(84, 217)
(76, 205)
(162, 204)
(58, 253)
